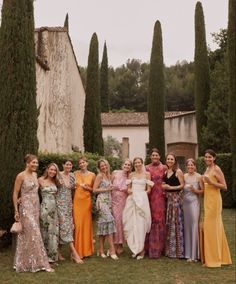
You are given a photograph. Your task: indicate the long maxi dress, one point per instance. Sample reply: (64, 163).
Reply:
(174, 246)
(64, 209)
(137, 216)
(191, 209)
(49, 221)
(119, 195)
(106, 221)
(155, 239)
(215, 249)
(82, 214)
(30, 255)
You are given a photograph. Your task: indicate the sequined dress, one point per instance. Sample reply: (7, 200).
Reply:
(30, 255)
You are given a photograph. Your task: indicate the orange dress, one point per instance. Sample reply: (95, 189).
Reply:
(82, 214)
(214, 246)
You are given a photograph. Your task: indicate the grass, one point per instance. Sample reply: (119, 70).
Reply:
(127, 270)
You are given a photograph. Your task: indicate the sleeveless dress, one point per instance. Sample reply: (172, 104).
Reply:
(155, 240)
(137, 215)
(106, 221)
(119, 195)
(82, 213)
(191, 209)
(64, 210)
(214, 246)
(174, 246)
(30, 255)
(49, 221)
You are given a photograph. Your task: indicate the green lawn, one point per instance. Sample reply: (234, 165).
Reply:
(128, 270)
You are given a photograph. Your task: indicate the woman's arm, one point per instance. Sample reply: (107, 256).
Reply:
(88, 187)
(201, 186)
(220, 183)
(148, 187)
(180, 177)
(16, 190)
(97, 182)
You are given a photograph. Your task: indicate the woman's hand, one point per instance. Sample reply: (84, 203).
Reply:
(166, 186)
(206, 179)
(17, 217)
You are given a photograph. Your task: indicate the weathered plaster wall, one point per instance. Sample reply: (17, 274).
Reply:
(60, 95)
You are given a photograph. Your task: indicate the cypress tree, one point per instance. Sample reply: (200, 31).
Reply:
(156, 101)
(18, 109)
(104, 92)
(232, 85)
(202, 75)
(92, 117)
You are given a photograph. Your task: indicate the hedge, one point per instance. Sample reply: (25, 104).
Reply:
(46, 158)
(224, 161)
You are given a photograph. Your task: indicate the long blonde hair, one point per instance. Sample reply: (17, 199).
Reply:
(56, 177)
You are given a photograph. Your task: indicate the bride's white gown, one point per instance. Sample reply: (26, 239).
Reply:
(137, 215)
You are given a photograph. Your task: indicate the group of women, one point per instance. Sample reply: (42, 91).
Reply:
(154, 209)
(49, 224)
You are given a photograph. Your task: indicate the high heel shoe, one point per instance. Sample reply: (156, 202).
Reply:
(50, 270)
(76, 259)
(139, 257)
(60, 257)
(101, 254)
(114, 256)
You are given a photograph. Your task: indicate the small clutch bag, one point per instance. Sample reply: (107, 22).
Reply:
(16, 228)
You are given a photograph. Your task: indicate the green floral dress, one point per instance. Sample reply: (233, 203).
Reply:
(49, 221)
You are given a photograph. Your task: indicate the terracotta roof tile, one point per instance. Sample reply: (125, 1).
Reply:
(134, 118)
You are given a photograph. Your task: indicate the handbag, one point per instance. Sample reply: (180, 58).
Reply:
(16, 228)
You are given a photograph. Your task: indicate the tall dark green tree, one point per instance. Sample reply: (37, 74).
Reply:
(232, 85)
(104, 90)
(93, 141)
(215, 134)
(18, 109)
(156, 100)
(202, 75)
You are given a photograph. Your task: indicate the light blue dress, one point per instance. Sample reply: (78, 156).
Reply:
(191, 208)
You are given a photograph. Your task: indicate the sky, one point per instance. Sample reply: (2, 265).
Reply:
(127, 26)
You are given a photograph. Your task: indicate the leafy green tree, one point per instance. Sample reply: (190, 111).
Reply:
(202, 75)
(156, 102)
(18, 109)
(217, 111)
(232, 85)
(218, 55)
(128, 86)
(215, 134)
(104, 91)
(180, 87)
(93, 141)
(112, 147)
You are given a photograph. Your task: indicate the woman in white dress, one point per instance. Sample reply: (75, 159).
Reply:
(136, 214)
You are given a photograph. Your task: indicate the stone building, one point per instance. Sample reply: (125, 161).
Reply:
(131, 130)
(60, 92)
